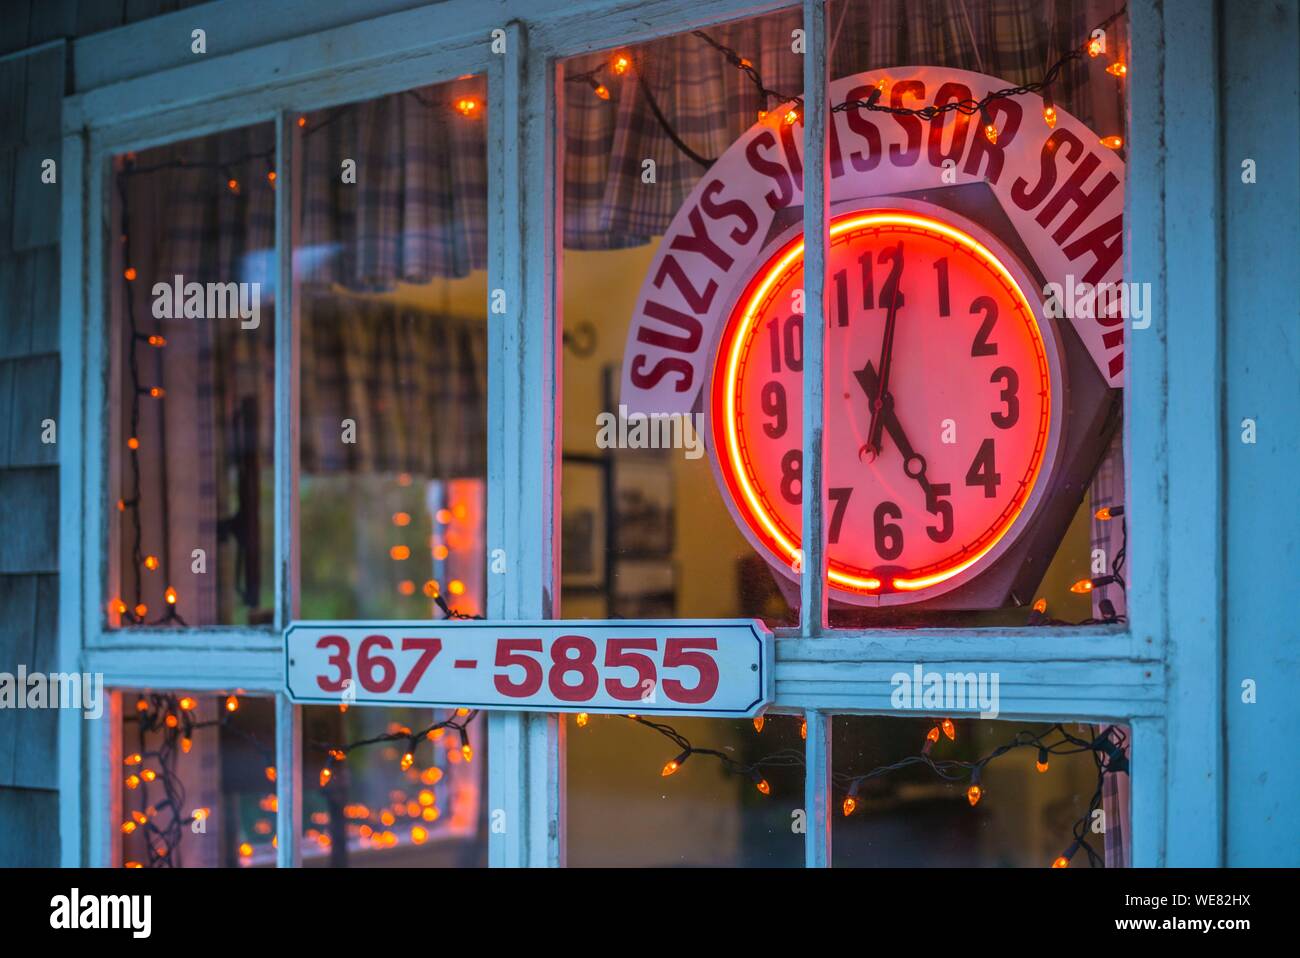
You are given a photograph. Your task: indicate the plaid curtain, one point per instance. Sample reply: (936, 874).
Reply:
(414, 384)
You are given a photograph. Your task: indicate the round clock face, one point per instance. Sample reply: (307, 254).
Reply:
(942, 405)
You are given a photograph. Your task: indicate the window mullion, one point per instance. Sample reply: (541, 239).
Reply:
(286, 374)
(812, 580)
(288, 717)
(288, 782)
(817, 790)
(526, 760)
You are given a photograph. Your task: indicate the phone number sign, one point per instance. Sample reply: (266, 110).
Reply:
(684, 667)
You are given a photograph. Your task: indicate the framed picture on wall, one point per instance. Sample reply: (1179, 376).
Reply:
(584, 522)
(643, 506)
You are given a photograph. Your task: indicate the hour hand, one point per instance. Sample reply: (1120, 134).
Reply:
(913, 463)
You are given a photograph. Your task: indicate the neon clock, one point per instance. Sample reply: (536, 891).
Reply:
(944, 391)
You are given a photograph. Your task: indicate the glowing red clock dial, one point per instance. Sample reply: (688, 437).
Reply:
(927, 487)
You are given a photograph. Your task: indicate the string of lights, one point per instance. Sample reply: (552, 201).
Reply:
(622, 63)
(1108, 748)
(1038, 613)
(165, 823)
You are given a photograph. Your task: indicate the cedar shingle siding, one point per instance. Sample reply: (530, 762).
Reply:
(31, 88)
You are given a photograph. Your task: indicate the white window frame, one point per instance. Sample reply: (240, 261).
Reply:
(1167, 693)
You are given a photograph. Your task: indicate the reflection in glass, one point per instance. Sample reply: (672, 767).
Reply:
(389, 804)
(645, 531)
(197, 780)
(390, 272)
(634, 800)
(1024, 814)
(191, 392)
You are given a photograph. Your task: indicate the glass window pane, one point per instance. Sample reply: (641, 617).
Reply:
(1027, 813)
(191, 389)
(390, 256)
(646, 527)
(973, 434)
(366, 804)
(197, 782)
(739, 807)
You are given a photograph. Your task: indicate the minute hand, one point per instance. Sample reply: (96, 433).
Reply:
(877, 395)
(913, 463)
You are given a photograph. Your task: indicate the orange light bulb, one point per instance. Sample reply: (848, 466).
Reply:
(602, 91)
(758, 723)
(467, 752)
(130, 274)
(1040, 606)
(670, 768)
(932, 735)
(1049, 115)
(1061, 862)
(581, 719)
(141, 611)
(849, 805)
(949, 729)
(232, 703)
(187, 703)
(151, 562)
(408, 760)
(791, 116)
(325, 776)
(621, 63)
(1118, 69)
(270, 773)
(1112, 142)
(763, 787)
(1095, 46)
(170, 596)
(973, 794)
(1082, 587)
(401, 518)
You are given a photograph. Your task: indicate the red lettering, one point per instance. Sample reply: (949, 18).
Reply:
(698, 241)
(671, 269)
(1106, 243)
(911, 125)
(949, 93)
(1026, 198)
(1006, 115)
(691, 327)
(1072, 191)
(861, 125)
(667, 364)
(737, 208)
(784, 193)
